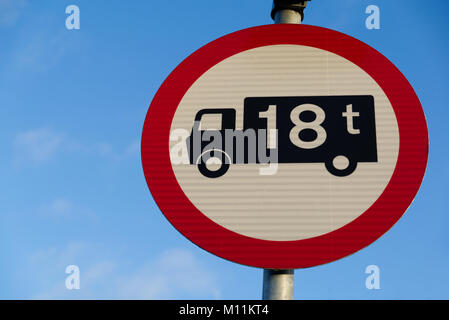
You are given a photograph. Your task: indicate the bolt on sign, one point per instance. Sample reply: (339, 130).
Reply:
(284, 146)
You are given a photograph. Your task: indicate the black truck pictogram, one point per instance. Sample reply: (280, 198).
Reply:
(310, 129)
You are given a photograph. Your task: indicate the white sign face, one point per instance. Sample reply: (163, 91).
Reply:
(318, 113)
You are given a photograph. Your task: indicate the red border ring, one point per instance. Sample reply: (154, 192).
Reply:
(373, 223)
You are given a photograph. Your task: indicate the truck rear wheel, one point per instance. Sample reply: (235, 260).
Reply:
(341, 166)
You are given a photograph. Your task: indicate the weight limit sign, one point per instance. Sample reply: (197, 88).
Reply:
(284, 146)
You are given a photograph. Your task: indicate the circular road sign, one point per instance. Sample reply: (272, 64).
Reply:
(284, 146)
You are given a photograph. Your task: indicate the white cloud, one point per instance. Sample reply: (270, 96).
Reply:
(93, 283)
(61, 209)
(173, 274)
(133, 149)
(107, 150)
(48, 270)
(36, 146)
(10, 11)
(41, 51)
(59, 257)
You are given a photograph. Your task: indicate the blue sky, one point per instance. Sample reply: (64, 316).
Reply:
(72, 106)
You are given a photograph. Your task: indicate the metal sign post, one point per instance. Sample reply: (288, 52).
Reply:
(279, 284)
(288, 11)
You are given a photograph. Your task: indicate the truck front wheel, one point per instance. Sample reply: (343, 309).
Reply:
(213, 163)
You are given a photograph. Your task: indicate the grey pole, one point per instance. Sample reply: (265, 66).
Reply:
(287, 16)
(278, 284)
(288, 11)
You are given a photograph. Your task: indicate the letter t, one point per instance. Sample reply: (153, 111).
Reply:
(349, 115)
